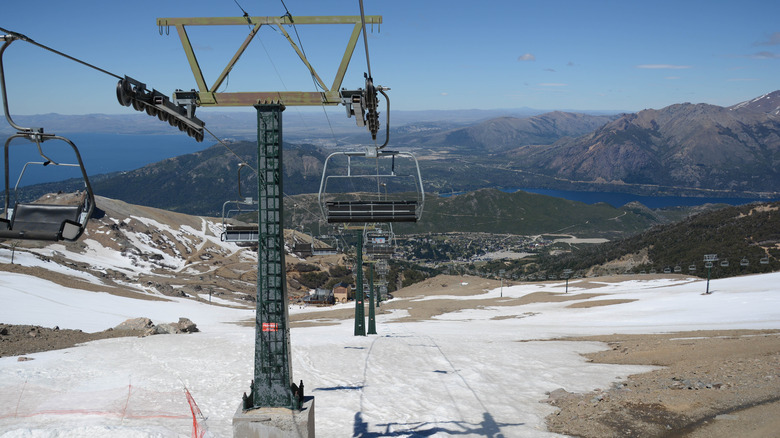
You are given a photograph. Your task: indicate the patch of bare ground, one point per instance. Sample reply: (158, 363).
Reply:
(712, 384)
(596, 303)
(76, 283)
(16, 340)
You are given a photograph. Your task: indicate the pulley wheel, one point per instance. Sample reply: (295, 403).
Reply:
(123, 92)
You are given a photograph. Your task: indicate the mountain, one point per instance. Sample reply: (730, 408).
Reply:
(741, 235)
(200, 182)
(521, 213)
(768, 104)
(147, 253)
(683, 146)
(502, 133)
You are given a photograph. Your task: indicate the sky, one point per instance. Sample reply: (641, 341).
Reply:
(433, 54)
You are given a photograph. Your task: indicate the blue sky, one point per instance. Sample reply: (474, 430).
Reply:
(434, 54)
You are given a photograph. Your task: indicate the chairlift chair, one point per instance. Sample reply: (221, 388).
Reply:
(43, 221)
(378, 241)
(724, 263)
(36, 220)
(238, 233)
(764, 260)
(327, 249)
(374, 188)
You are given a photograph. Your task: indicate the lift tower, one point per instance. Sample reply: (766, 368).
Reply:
(273, 385)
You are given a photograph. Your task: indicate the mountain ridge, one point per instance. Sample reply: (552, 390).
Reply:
(688, 145)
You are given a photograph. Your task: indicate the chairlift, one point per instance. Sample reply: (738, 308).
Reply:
(667, 270)
(372, 186)
(744, 262)
(378, 241)
(233, 228)
(691, 268)
(764, 260)
(324, 245)
(677, 269)
(382, 267)
(40, 220)
(724, 263)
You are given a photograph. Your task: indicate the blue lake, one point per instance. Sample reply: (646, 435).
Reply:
(621, 199)
(101, 153)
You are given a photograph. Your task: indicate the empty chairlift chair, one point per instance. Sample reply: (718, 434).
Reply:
(40, 220)
(374, 186)
(241, 232)
(378, 242)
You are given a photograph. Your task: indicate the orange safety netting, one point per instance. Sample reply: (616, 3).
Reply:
(174, 409)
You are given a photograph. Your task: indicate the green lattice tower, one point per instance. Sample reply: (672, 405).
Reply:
(360, 311)
(272, 384)
(371, 311)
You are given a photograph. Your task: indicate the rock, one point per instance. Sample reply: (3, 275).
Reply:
(187, 326)
(183, 326)
(167, 329)
(141, 324)
(557, 395)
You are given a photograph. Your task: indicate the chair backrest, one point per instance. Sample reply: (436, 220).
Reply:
(371, 211)
(43, 222)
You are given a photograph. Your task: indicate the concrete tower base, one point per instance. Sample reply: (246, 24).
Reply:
(275, 422)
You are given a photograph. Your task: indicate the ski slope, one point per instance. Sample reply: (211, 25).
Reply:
(479, 371)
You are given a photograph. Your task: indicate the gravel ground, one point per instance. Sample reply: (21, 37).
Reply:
(711, 384)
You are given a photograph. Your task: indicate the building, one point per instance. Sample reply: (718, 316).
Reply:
(343, 292)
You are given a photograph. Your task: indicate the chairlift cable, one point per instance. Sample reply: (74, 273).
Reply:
(223, 143)
(365, 40)
(313, 79)
(72, 58)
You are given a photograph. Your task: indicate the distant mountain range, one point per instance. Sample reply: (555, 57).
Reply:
(506, 133)
(683, 150)
(680, 147)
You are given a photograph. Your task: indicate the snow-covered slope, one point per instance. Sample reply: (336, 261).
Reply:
(462, 372)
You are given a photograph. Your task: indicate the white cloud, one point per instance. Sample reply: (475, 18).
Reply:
(772, 40)
(766, 55)
(663, 66)
(526, 57)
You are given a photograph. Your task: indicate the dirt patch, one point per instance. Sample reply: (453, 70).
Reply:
(16, 340)
(596, 303)
(75, 283)
(713, 383)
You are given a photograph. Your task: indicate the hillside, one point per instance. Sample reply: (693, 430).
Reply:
(749, 232)
(503, 133)
(151, 254)
(684, 146)
(495, 211)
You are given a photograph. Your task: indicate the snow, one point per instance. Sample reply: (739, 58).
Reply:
(462, 373)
